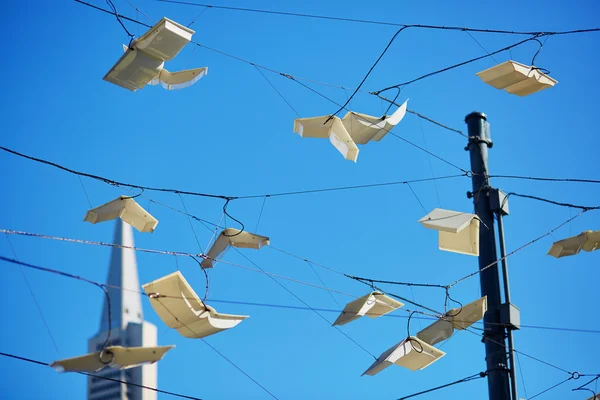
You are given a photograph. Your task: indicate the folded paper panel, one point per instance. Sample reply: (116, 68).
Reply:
(374, 304)
(236, 238)
(165, 39)
(411, 353)
(440, 330)
(469, 314)
(116, 357)
(355, 128)
(180, 79)
(314, 127)
(341, 140)
(516, 78)
(143, 60)
(463, 242)
(179, 307)
(586, 241)
(364, 128)
(128, 210)
(458, 231)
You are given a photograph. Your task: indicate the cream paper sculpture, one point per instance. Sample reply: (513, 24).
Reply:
(411, 353)
(586, 241)
(516, 78)
(116, 357)
(179, 307)
(373, 305)
(458, 232)
(144, 59)
(236, 238)
(455, 318)
(355, 128)
(125, 208)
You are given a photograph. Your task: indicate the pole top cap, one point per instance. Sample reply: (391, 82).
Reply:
(476, 114)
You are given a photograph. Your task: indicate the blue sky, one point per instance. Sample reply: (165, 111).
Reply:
(232, 134)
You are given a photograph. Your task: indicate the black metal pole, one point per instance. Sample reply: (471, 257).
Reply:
(494, 332)
(509, 333)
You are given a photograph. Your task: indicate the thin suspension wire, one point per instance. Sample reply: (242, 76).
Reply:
(549, 389)
(33, 297)
(30, 360)
(418, 199)
(517, 249)
(307, 305)
(262, 207)
(140, 11)
(463, 380)
(191, 225)
(238, 368)
(373, 22)
(277, 91)
(323, 283)
(480, 45)
(85, 192)
(522, 376)
(427, 151)
(437, 192)
(213, 348)
(66, 274)
(197, 16)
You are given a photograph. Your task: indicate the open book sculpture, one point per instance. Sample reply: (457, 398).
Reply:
(458, 232)
(373, 305)
(586, 241)
(125, 208)
(516, 78)
(455, 318)
(116, 357)
(353, 129)
(236, 238)
(144, 59)
(411, 353)
(179, 307)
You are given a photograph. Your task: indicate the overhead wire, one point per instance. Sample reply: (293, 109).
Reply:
(294, 78)
(537, 178)
(277, 91)
(68, 275)
(214, 348)
(517, 249)
(224, 197)
(550, 388)
(373, 22)
(33, 296)
(430, 74)
(463, 380)
(307, 305)
(368, 73)
(557, 203)
(172, 253)
(30, 360)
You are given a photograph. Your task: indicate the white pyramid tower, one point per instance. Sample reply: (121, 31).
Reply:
(128, 327)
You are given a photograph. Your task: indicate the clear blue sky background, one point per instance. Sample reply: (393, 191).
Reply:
(232, 134)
